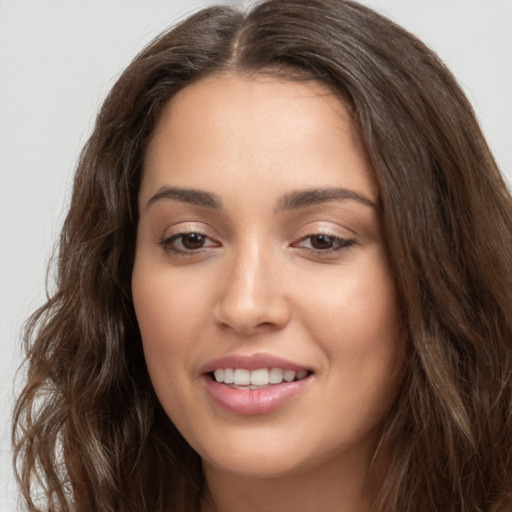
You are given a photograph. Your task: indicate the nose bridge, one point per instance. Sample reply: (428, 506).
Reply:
(251, 296)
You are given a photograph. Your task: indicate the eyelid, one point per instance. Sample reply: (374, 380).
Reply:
(179, 230)
(167, 243)
(343, 238)
(341, 242)
(185, 226)
(324, 227)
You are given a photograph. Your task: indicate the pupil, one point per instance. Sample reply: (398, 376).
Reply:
(193, 241)
(322, 241)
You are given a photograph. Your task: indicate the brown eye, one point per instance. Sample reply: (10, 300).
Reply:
(183, 243)
(322, 242)
(192, 240)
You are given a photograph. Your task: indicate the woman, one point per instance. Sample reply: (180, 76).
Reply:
(282, 282)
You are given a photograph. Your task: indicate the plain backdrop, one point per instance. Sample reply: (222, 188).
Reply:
(58, 59)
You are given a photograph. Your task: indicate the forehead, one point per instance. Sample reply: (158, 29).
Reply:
(229, 125)
(257, 101)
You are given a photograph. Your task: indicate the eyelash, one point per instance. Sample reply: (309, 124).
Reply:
(167, 244)
(336, 243)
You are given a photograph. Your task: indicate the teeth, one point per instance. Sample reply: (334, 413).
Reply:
(242, 377)
(229, 376)
(260, 377)
(219, 375)
(275, 376)
(289, 375)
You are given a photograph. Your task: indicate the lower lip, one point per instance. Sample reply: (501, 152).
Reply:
(253, 401)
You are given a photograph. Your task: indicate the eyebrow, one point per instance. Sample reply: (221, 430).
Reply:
(187, 195)
(292, 201)
(310, 197)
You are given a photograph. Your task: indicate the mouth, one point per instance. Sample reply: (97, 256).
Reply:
(255, 384)
(261, 378)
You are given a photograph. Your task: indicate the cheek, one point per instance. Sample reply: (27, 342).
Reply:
(357, 323)
(167, 305)
(355, 310)
(165, 319)
(166, 322)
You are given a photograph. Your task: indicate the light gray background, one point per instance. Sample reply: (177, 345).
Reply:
(58, 58)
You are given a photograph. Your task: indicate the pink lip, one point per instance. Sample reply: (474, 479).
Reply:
(252, 401)
(251, 362)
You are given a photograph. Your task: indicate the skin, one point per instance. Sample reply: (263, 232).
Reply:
(310, 284)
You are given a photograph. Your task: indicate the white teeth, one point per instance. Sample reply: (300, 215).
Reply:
(289, 375)
(275, 376)
(257, 378)
(242, 377)
(229, 376)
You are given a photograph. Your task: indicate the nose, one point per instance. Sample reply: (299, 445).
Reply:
(251, 298)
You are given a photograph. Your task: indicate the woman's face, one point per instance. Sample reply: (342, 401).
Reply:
(260, 263)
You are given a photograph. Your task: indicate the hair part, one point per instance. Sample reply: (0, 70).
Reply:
(88, 425)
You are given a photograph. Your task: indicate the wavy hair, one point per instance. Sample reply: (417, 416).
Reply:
(89, 433)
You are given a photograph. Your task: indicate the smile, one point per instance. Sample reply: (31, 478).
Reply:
(241, 378)
(248, 384)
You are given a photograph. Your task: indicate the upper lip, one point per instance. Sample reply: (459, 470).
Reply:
(251, 362)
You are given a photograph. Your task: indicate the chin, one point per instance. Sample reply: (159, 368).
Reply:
(261, 466)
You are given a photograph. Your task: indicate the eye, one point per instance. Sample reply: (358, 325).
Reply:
(187, 242)
(324, 242)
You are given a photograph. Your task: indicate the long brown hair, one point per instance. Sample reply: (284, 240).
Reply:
(89, 433)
